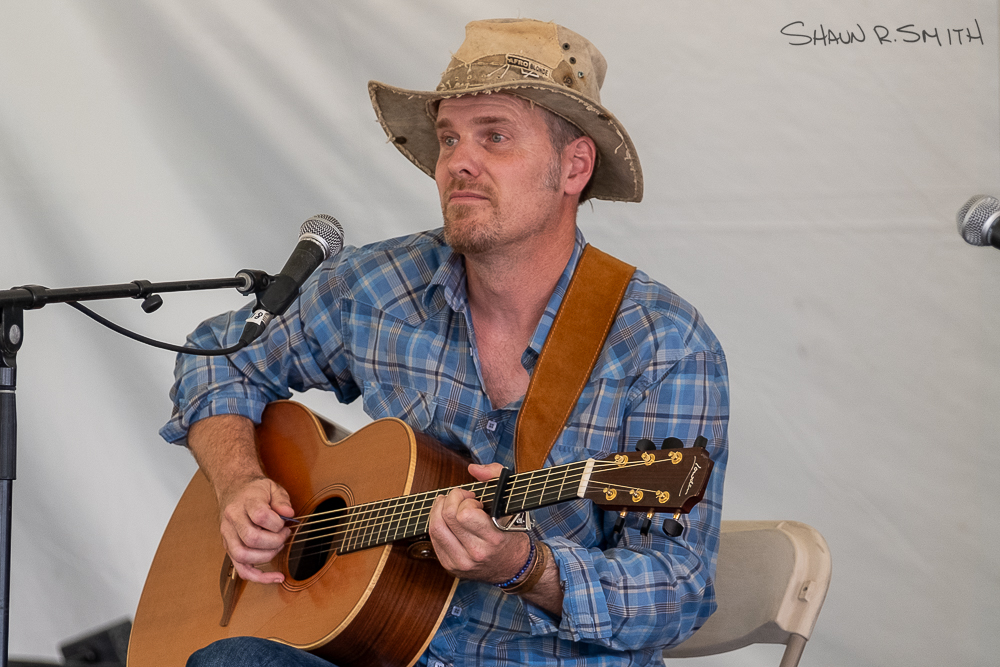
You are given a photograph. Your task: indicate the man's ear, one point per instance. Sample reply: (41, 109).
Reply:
(582, 154)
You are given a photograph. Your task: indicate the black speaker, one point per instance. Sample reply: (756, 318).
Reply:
(107, 647)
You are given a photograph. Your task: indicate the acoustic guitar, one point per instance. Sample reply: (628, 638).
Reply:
(362, 587)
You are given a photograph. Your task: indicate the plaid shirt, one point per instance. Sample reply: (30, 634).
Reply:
(391, 323)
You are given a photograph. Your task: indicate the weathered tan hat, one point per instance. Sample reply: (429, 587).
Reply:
(543, 62)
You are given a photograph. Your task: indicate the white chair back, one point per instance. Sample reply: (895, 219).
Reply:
(771, 580)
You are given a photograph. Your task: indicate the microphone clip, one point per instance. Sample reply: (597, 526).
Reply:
(254, 282)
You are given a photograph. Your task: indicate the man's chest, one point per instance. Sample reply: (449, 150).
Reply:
(445, 380)
(503, 376)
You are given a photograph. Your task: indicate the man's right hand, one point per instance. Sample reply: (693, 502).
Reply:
(253, 527)
(252, 508)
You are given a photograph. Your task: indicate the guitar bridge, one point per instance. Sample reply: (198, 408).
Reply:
(230, 586)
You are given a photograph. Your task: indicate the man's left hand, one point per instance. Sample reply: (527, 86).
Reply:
(466, 542)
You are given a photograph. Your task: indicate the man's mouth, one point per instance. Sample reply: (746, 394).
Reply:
(467, 197)
(461, 192)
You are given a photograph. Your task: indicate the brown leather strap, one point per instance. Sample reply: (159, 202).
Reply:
(570, 352)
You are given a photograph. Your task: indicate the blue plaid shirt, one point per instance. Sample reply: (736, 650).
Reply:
(390, 323)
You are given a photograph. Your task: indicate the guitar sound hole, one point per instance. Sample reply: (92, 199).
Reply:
(313, 542)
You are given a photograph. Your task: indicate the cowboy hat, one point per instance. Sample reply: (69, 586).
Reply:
(544, 63)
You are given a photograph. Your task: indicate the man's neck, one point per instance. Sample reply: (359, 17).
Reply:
(511, 289)
(508, 293)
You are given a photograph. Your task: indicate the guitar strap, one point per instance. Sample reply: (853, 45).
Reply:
(569, 354)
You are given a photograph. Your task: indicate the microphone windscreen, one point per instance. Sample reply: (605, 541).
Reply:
(325, 231)
(976, 218)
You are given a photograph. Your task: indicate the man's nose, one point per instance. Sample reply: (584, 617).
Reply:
(464, 160)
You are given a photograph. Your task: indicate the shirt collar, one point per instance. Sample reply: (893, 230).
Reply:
(447, 286)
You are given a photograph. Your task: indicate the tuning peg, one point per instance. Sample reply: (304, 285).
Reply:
(616, 532)
(673, 527)
(700, 441)
(647, 522)
(672, 443)
(644, 445)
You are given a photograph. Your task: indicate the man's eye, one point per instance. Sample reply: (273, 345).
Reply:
(496, 137)
(449, 141)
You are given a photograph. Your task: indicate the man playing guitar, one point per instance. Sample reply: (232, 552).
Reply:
(442, 330)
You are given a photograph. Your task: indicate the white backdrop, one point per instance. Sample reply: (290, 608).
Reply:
(802, 196)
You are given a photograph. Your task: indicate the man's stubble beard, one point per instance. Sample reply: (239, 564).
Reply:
(460, 232)
(473, 239)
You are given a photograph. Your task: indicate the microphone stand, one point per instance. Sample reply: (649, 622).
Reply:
(13, 303)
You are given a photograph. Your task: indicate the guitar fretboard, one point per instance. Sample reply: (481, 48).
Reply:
(384, 521)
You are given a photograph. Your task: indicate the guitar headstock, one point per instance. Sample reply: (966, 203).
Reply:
(661, 480)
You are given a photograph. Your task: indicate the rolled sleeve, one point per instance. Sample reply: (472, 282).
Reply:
(209, 386)
(651, 590)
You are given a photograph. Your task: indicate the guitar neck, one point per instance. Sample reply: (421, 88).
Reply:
(385, 521)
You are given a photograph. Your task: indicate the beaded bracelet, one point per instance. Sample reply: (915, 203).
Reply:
(534, 574)
(527, 564)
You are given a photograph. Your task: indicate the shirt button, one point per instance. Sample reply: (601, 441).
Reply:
(456, 611)
(491, 426)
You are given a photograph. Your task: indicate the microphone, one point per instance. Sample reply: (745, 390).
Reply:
(977, 221)
(320, 237)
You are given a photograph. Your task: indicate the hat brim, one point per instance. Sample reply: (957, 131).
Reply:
(408, 119)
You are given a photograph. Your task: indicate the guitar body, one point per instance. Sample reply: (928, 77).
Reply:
(360, 589)
(377, 606)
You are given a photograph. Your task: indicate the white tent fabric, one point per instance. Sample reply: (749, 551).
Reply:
(801, 195)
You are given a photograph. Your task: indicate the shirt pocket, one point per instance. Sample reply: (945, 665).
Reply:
(414, 407)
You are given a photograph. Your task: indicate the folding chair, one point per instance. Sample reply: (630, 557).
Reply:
(771, 580)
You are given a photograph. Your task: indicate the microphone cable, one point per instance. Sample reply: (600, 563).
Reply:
(320, 237)
(196, 351)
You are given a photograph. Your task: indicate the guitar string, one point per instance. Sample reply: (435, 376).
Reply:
(600, 466)
(370, 512)
(374, 506)
(392, 522)
(415, 518)
(367, 540)
(419, 514)
(403, 509)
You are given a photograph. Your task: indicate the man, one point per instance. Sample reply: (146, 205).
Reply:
(443, 329)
